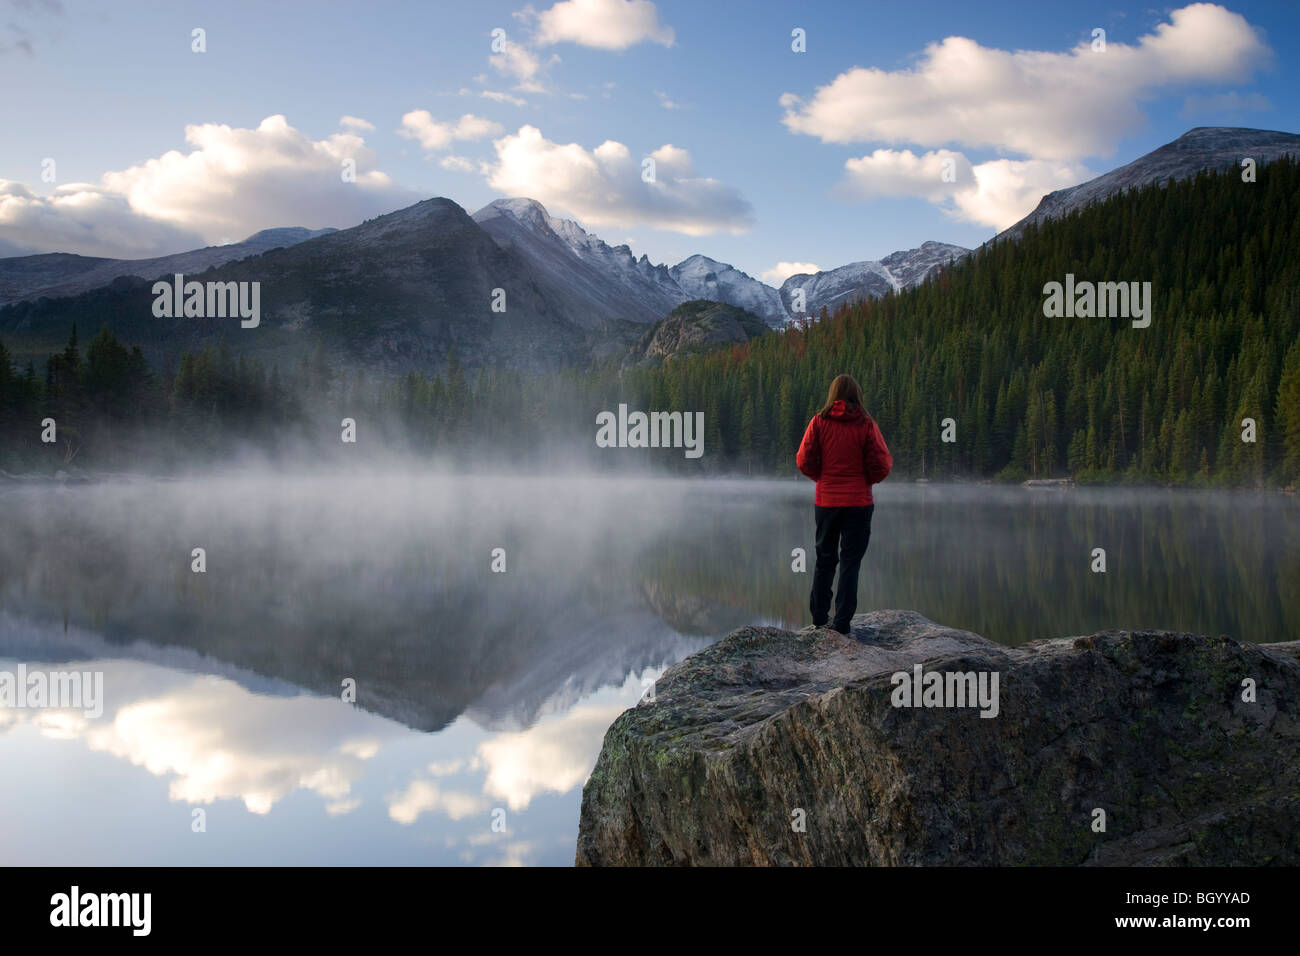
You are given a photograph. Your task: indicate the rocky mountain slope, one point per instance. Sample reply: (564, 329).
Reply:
(600, 280)
(703, 278)
(780, 748)
(866, 280)
(628, 288)
(393, 294)
(696, 326)
(1205, 147)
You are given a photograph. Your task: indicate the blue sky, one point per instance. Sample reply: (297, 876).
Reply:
(762, 155)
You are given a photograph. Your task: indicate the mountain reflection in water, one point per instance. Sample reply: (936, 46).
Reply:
(483, 697)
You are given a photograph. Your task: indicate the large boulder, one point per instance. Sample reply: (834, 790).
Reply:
(774, 748)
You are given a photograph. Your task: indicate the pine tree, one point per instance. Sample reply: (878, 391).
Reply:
(1287, 413)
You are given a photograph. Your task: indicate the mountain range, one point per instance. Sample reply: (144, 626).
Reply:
(866, 280)
(397, 293)
(596, 280)
(510, 285)
(629, 288)
(58, 275)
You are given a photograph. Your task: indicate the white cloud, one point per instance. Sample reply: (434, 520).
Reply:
(457, 164)
(667, 102)
(1052, 108)
(603, 24)
(604, 187)
(892, 173)
(215, 740)
(996, 193)
(230, 184)
(498, 97)
(356, 124)
(87, 220)
(518, 853)
(239, 180)
(425, 796)
(1007, 190)
(1041, 104)
(420, 125)
(522, 65)
(784, 270)
(445, 768)
(555, 755)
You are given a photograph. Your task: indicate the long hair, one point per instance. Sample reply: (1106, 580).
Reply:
(844, 389)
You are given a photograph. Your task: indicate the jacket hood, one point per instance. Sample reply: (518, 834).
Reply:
(843, 412)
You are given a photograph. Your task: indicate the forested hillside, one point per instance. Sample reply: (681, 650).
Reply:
(1038, 396)
(1029, 396)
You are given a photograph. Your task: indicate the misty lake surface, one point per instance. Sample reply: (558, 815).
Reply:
(482, 696)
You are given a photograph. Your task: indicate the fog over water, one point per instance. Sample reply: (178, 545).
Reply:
(478, 690)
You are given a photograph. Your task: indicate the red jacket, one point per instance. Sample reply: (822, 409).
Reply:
(845, 454)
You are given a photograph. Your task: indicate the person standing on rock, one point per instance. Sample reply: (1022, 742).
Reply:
(843, 451)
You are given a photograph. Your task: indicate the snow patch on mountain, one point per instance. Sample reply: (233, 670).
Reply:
(869, 279)
(619, 284)
(911, 267)
(703, 278)
(634, 288)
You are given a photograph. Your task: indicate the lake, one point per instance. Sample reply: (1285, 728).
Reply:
(490, 629)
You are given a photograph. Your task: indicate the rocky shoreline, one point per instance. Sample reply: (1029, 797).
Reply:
(774, 747)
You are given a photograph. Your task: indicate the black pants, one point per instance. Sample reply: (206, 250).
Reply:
(842, 536)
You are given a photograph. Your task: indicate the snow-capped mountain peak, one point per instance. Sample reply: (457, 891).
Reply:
(524, 210)
(703, 278)
(631, 287)
(609, 278)
(869, 279)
